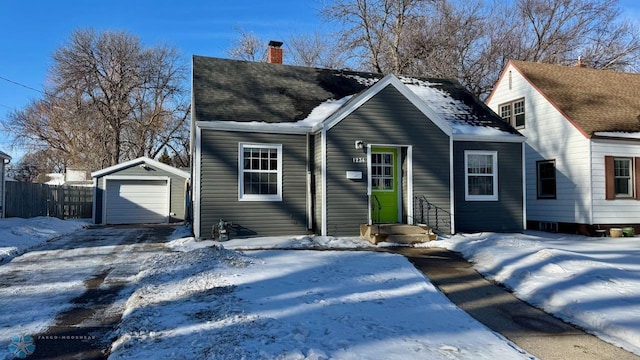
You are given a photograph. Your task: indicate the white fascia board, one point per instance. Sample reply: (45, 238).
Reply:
(510, 138)
(195, 182)
(271, 128)
(137, 177)
(95, 194)
(323, 142)
(375, 89)
(5, 156)
(524, 187)
(410, 214)
(141, 160)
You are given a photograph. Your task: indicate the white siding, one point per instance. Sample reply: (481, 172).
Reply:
(626, 211)
(550, 136)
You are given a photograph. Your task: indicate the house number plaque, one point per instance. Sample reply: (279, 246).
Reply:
(359, 160)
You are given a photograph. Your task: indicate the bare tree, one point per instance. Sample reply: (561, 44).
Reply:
(111, 100)
(374, 30)
(472, 40)
(248, 46)
(558, 31)
(314, 50)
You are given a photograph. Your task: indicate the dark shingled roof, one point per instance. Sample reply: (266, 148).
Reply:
(232, 90)
(242, 91)
(595, 100)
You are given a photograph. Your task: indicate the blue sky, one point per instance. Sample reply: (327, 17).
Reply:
(31, 30)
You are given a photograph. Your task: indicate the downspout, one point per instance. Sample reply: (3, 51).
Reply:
(452, 207)
(591, 219)
(309, 187)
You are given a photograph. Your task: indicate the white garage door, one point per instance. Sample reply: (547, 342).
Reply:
(137, 202)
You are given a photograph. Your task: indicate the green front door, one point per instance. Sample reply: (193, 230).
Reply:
(384, 185)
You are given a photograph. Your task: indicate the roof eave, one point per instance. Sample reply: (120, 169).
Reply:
(141, 160)
(510, 138)
(270, 128)
(390, 79)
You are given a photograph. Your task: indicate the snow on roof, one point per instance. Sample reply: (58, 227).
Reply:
(618, 134)
(323, 111)
(456, 113)
(460, 116)
(366, 81)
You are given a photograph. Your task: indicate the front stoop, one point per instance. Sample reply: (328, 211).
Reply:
(397, 233)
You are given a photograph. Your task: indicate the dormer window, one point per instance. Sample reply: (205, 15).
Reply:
(513, 113)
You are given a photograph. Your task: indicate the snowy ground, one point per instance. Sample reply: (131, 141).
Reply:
(206, 299)
(591, 282)
(17, 235)
(209, 302)
(40, 284)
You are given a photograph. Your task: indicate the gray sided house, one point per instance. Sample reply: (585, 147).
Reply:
(139, 191)
(285, 150)
(4, 159)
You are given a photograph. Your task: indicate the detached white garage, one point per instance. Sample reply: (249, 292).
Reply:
(140, 191)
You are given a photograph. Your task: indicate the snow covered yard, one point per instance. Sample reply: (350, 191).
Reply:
(194, 299)
(591, 282)
(210, 302)
(42, 283)
(17, 235)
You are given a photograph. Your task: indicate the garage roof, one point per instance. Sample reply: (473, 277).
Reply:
(140, 161)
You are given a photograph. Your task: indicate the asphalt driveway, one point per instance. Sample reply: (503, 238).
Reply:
(79, 282)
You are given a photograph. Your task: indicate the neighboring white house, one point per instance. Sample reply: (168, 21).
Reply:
(4, 159)
(583, 143)
(70, 177)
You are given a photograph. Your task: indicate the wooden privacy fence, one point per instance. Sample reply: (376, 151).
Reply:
(27, 200)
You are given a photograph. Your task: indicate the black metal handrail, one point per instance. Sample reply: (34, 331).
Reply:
(376, 208)
(429, 214)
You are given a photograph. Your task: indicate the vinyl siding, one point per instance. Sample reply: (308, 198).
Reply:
(386, 119)
(178, 188)
(219, 186)
(550, 136)
(619, 211)
(504, 215)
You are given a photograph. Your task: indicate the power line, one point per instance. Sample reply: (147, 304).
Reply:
(23, 85)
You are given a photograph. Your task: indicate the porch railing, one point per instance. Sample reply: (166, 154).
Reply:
(425, 212)
(376, 208)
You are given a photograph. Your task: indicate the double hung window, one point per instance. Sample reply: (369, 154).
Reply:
(260, 172)
(481, 175)
(513, 113)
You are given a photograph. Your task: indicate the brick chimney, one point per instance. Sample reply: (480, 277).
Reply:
(274, 54)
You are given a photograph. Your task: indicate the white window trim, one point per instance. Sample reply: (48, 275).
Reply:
(512, 116)
(630, 179)
(254, 197)
(469, 197)
(395, 176)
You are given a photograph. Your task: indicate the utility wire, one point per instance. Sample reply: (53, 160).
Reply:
(23, 85)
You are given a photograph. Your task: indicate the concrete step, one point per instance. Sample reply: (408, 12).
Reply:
(410, 238)
(396, 233)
